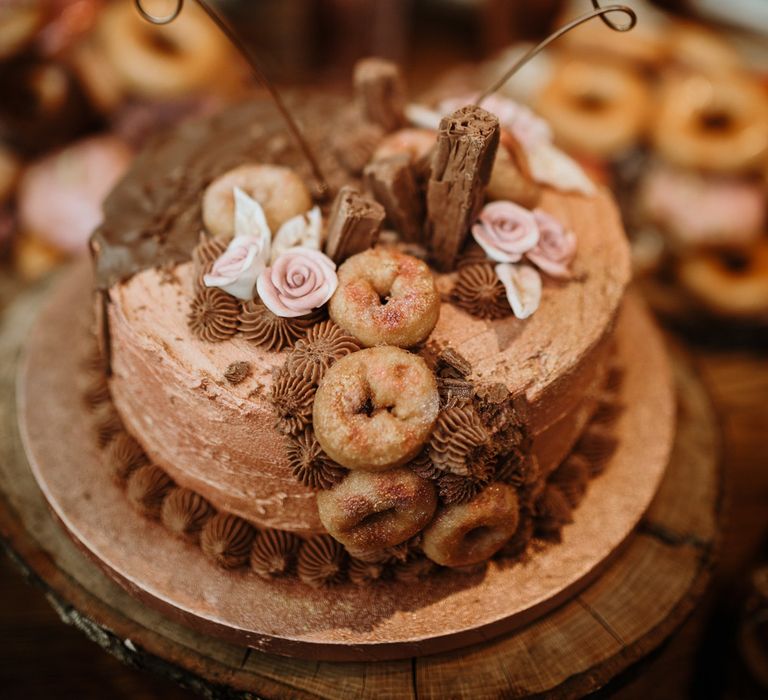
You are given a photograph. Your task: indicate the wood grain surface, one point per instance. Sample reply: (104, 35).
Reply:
(628, 612)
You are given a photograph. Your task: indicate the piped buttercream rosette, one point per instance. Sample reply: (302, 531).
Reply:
(519, 241)
(288, 272)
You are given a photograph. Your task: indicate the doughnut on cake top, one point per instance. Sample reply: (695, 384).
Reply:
(217, 437)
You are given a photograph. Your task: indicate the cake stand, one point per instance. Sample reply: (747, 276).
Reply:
(570, 619)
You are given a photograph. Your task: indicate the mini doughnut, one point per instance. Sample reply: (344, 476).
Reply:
(374, 409)
(280, 191)
(595, 109)
(731, 284)
(385, 297)
(59, 197)
(465, 534)
(712, 123)
(700, 49)
(415, 143)
(371, 511)
(162, 62)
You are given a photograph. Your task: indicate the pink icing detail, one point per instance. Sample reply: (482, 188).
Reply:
(60, 196)
(506, 231)
(300, 279)
(556, 248)
(705, 210)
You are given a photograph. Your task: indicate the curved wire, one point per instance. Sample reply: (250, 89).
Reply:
(219, 21)
(601, 12)
(164, 19)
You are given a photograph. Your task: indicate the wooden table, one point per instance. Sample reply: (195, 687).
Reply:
(39, 655)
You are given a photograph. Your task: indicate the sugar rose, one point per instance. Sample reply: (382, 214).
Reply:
(506, 231)
(556, 248)
(238, 267)
(300, 279)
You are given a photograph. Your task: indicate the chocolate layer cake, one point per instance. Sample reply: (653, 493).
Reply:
(418, 373)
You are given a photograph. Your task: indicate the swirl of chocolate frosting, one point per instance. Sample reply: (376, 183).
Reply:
(323, 344)
(107, 427)
(124, 456)
(552, 511)
(185, 512)
(97, 393)
(213, 315)
(478, 291)
(227, 539)
(206, 252)
(454, 488)
(363, 573)
(147, 487)
(597, 444)
(459, 441)
(260, 326)
(414, 570)
(274, 552)
(423, 466)
(310, 465)
(292, 398)
(322, 562)
(572, 477)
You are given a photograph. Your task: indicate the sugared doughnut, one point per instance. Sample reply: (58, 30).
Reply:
(375, 409)
(415, 143)
(385, 297)
(465, 534)
(697, 48)
(161, 62)
(280, 191)
(729, 283)
(595, 109)
(60, 196)
(716, 123)
(371, 511)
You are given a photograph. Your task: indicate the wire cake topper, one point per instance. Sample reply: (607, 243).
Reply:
(598, 11)
(227, 30)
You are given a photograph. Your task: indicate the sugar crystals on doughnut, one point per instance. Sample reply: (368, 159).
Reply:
(375, 409)
(385, 297)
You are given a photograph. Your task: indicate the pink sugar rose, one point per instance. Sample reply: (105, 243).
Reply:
(300, 279)
(237, 268)
(556, 247)
(506, 231)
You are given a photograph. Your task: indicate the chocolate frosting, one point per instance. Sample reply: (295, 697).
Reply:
(597, 444)
(227, 540)
(97, 392)
(153, 216)
(552, 512)
(185, 512)
(238, 372)
(479, 291)
(204, 255)
(459, 442)
(424, 467)
(125, 455)
(310, 465)
(274, 553)
(147, 487)
(323, 344)
(454, 488)
(107, 427)
(363, 573)
(414, 570)
(213, 315)
(259, 325)
(292, 398)
(571, 478)
(322, 562)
